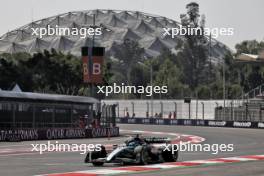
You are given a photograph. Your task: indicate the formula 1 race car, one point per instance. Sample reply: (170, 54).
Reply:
(135, 151)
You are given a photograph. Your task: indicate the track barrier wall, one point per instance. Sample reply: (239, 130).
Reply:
(56, 133)
(192, 122)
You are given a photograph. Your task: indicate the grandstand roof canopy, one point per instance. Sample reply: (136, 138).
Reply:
(116, 26)
(28, 96)
(250, 58)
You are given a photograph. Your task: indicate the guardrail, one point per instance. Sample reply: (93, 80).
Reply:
(192, 122)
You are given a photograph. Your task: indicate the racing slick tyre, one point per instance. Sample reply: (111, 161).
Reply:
(95, 155)
(142, 155)
(168, 156)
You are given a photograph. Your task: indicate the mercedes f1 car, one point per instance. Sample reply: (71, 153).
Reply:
(135, 151)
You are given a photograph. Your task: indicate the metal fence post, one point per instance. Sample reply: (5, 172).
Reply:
(117, 105)
(147, 107)
(189, 110)
(246, 111)
(231, 110)
(196, 106)
(175, 106)
(260, 113)
(71, 116)
(133, 108)
(161, 109)
(203, 108)
(217, 111)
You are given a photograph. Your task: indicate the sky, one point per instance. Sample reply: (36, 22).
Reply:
(245, 16)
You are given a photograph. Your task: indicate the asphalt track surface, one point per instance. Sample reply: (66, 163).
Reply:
(16, 158)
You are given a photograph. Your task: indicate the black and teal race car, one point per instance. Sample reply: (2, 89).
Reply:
(136, 150)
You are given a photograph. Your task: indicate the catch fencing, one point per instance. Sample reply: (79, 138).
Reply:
(196, 109)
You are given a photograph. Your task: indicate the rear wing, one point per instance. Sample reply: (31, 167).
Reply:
(157, 140)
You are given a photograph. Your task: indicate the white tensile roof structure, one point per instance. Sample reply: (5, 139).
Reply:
(116, 26)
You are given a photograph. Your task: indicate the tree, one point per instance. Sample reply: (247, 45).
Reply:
(234, 91)
(169, 75)
(194, 54)
(203, 92)
(8, 72)
(249, 47)
(129, 53)
(250, 75)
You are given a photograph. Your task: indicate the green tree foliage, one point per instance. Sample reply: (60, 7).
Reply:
(234, 91)
(203, 92)
(248, 76)
(169, 75)
(194, 52)
(47, 72)
(54, 72)
(42, 72)
(128, 54)
(249, 46)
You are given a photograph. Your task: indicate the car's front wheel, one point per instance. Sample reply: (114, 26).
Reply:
(168, 156)
(142, 155)
(95, 155)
